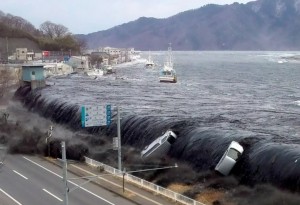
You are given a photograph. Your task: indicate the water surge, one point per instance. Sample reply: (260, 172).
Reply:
(266, 159)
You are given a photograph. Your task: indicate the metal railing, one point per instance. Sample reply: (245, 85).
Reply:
(143, 183)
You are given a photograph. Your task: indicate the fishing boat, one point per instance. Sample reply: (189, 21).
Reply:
(167, 73)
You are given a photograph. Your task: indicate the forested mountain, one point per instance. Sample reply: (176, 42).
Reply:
(257, 25)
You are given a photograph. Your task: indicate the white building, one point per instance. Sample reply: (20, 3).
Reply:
(110, 51)
(21, 54)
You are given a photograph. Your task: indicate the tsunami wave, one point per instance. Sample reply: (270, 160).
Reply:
(267, 158)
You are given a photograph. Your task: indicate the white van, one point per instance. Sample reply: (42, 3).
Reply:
(160, 146)
(229, 158)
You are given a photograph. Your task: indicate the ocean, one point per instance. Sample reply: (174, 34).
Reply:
(251, 97)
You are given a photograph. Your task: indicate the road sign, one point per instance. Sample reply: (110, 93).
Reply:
(95, 115)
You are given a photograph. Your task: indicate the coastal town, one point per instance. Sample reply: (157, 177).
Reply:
(62, 62)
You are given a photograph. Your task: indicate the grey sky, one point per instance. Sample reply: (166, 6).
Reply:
(83, 17)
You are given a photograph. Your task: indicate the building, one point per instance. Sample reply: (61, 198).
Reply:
(21, 54)
(111, 51)
(33, 75)
(30, 56)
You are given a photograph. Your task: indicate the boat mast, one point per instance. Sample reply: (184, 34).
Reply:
(170, 60)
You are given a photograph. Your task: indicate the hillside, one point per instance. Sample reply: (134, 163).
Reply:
(16, 32)
(257, 25)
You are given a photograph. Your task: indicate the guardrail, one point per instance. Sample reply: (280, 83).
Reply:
(144, 184)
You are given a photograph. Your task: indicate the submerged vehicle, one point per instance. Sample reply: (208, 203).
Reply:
(160, 146)
(229, 158)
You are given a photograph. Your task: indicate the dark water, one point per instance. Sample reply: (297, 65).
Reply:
(250, 97)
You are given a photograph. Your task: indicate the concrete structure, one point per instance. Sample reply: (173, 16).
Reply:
(111, 51)
(21, 54)
(33, 75)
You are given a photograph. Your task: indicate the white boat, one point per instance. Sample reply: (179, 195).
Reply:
(149, 63)
(167, 73)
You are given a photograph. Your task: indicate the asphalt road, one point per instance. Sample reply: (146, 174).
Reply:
(30, 180)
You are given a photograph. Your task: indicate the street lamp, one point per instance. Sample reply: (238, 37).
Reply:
(49, 132)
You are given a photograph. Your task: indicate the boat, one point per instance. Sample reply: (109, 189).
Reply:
(149, 63)
(167, 73)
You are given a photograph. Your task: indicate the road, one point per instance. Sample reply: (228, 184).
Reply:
(30, 180)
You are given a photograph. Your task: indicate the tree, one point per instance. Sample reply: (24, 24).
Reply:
(96, 60)
(82, 44)
(19, 23)
(53, 30)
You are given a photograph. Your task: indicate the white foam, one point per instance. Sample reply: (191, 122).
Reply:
(297, 102)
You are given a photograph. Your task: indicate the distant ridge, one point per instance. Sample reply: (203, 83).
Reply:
(257, 25)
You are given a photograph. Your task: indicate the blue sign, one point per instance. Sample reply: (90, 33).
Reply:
(108, 115)
(95, 115)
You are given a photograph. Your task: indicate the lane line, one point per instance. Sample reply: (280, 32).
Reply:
(84, 189)
(10, 197)
(117, 185)
(48, 192)
(20, 174)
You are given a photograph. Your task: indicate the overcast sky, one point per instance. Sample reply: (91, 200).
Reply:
(87, 16)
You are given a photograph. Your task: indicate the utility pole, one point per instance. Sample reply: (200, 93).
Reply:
(48, 139)
(7, 49)
(64, 159)
(119, 140)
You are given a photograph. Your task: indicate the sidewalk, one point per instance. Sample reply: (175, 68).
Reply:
(115, 184)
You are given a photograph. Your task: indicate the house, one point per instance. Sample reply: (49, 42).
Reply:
(21, 54)
(30, 56)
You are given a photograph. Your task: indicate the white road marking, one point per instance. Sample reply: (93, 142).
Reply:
(10, 197)
(68, 181)
(92, 174)
(20, 174)
(48, 192)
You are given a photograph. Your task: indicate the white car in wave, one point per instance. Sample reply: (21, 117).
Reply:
(160, 146)
(229, 158)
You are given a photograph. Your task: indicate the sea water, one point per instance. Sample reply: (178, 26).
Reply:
(250, 97)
